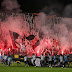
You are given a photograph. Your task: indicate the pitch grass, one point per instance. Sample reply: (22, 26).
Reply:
(21, 68)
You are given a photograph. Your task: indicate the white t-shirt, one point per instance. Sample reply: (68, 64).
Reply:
(34, 57)
(42, 57)
(61, 58)
(25, 58)
(50, 58)
(5, 57)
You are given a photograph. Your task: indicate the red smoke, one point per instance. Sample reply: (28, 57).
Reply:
(48, 38)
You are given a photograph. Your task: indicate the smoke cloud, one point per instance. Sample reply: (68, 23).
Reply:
(68, 11)
(61, 31)
(11, 5)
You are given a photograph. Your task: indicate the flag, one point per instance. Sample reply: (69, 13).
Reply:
(30, 37)
(13, 36)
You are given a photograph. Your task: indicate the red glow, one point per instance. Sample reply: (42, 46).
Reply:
(45, 44)
(62, 52)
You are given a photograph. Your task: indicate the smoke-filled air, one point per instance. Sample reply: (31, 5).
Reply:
(33, 33)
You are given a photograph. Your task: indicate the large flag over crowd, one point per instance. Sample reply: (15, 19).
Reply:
(33, 40)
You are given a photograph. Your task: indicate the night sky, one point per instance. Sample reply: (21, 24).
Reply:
(32, 6)
(37, 5)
